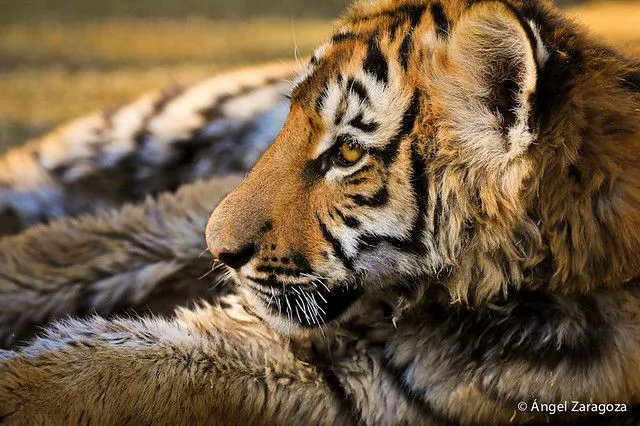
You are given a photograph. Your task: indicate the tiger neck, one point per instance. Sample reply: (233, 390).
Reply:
(588, 197)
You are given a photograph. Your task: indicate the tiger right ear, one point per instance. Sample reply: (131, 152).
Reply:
(488, 81)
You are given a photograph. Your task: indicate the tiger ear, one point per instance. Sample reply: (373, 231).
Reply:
(490, 80)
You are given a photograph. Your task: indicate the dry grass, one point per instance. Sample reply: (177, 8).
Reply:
(123, 42)
(52, 72)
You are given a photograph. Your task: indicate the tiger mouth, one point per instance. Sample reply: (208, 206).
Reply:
(310, 305)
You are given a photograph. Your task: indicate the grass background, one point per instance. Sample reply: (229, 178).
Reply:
(63, 58)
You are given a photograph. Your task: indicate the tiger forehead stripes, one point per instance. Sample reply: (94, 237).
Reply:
(412, 154)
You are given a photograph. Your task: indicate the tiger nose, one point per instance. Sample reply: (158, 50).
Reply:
(235, 259)
(231, 241)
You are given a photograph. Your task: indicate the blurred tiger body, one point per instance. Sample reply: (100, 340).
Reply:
(444, 228)
(157, 143)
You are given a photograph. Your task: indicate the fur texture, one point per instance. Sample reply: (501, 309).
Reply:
(475, 249)
(157, 143)
(144, 258)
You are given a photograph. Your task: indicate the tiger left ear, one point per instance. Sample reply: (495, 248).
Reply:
(489, 81)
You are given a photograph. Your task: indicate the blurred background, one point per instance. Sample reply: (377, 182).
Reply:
(63, 58)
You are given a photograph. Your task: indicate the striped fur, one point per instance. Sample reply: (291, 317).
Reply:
(480, 252)
(157, 143)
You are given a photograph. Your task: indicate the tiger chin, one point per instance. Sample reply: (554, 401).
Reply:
(444, 232)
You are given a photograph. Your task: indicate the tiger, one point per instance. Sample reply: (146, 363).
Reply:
(442, 233)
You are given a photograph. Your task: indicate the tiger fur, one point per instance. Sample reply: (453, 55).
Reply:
(481, 254)
(155, 144)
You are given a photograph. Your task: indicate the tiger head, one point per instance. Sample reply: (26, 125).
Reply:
(403, 162)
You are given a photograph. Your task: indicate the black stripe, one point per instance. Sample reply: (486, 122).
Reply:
(290, 272)
(362, 169)
(338, 250)
(390, 152)
(396, 377)
(369, 241)
(410, 116)
(318, 167)
(141, 135)
(405, 51)
(420, 186)
(352, 179)
(350, 221)
(358, 123)
(407, 11)
(340, 112)
(315, 169)
(375, 63)
(394, 26)
(359, 89)
(415, 14)
(341, 37)
(270, 281)
(9, 414)
(533, 40)
(436, 215)
(356, 181)
(325, 364)
(321, 99)
(441, 21)
(407, 43)
(334, 384)
(215, 111)
(301, 261)
(379, 199)
(414, 244)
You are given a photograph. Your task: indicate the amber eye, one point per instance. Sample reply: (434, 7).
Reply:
(349, 154)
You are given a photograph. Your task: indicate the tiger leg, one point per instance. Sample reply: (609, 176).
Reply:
(217, 366)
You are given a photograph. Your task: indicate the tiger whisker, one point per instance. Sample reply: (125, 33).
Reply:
(206, 274)
(301, 305)
(273, 295)
(317, 304)
(289, 310)
(308, 305)
(221, 279)
(298, 312)
(296, 52)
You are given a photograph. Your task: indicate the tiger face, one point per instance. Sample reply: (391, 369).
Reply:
(401, 131)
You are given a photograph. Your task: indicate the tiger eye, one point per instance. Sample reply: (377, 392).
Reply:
(351, 153)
